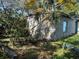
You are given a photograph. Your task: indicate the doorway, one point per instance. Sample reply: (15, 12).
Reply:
(77, 26)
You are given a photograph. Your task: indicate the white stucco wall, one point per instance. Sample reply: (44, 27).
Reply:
(41, 29)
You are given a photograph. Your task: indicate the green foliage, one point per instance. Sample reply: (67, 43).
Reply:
(61, 53)
(48, 46)
(15, 23)
(3, 56)
(31, 54)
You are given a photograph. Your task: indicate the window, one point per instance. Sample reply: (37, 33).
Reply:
(64, 26)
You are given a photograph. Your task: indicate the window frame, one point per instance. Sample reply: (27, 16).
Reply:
(65, 23)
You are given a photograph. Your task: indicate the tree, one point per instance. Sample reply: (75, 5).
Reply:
(30, 3)
(68, 6)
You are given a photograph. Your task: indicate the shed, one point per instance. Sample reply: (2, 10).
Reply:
(68, 25)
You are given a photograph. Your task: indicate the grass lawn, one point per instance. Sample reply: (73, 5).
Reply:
(62, 53)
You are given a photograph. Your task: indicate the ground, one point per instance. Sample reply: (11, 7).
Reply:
(48, 50)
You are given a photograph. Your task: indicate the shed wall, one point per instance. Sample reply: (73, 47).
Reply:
(70, 30)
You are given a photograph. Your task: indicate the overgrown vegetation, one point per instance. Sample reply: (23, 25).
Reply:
(51, 50)
(3, 56)
(14, 25)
